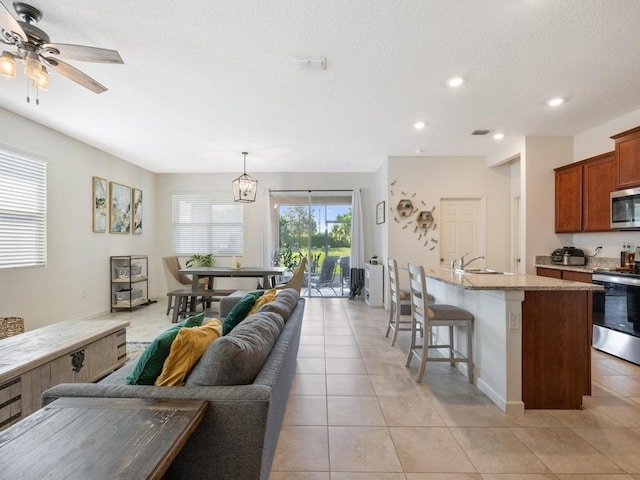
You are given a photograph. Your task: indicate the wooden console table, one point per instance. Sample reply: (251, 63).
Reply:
(126, 438)
(64, 352)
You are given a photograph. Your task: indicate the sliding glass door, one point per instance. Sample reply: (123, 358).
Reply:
(315, 224)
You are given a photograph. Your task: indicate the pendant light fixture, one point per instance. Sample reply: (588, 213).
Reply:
(244, 187)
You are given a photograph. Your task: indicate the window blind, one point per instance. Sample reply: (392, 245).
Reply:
(23, 211)
(206, 223)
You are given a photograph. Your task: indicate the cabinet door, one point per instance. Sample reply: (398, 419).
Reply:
(627, 159)
(598, 181)
(549, 272)
(576, 276)
(569, 198)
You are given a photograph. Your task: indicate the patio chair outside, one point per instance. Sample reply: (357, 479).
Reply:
(345, 274)
(327, 275)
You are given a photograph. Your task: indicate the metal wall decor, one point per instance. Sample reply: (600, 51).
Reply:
(405, 207)
(406, 214)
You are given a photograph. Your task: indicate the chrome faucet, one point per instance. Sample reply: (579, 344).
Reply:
(464, 264)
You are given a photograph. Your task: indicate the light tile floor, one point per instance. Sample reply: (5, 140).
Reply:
(356, 413)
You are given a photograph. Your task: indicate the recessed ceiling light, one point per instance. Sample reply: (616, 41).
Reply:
(455, 81)
(498, 136)
(419, 125)
(554, 102)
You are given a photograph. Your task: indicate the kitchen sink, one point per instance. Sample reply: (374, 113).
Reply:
(482, 271)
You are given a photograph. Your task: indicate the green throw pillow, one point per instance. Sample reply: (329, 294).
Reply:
(149, 367)
(239, 311)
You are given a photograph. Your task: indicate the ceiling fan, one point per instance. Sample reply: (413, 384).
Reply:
(37, 52)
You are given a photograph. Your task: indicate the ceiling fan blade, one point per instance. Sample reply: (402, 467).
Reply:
(82, 53)
(74, 74)
(10, 24)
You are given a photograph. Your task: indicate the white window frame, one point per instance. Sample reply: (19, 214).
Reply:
(23, 211)
(206, 222)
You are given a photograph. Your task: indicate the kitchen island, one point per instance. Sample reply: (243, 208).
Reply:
(532, 336)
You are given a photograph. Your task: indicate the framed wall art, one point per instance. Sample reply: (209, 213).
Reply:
(99, 221)
(136, 201)
(120, 203)
(380, 213)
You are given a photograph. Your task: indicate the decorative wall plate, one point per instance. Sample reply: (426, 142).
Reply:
(425, 219)
(405, 207)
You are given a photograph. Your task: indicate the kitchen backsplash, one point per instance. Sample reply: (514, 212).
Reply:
(592, 262)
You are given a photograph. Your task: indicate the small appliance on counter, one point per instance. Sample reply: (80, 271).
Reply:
(569, 256)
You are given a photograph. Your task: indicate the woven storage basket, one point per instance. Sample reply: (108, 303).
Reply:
(11, 326)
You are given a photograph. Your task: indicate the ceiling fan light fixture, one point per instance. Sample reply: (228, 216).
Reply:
(8, 68)
(32, 67)
(244, 187)
(42, 83)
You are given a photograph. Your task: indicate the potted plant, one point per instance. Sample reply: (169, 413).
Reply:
(289, 259)
(201, 260)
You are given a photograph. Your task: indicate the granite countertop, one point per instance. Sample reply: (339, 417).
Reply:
(483, 281)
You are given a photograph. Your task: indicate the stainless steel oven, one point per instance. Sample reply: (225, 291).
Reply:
(616, 314)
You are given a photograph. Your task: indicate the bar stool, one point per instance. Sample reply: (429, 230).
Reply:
(398, 298)
(436, 315)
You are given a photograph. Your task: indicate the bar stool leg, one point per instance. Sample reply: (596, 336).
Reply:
(470, 372)
(412, 345)
(396, 324)
(451, 343)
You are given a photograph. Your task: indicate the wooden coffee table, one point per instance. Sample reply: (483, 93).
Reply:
(99, 438)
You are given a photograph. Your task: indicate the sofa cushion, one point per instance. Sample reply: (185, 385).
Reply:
(240, 311)
(149, 366)
(186, 350)
(268, 297)
(286, 300)
(236, 358)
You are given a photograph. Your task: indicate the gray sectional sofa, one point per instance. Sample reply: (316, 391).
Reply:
(237, 437)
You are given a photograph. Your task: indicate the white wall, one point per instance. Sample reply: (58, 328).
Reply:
(541, 156)
(75, 282)
(597, 140)
(432, 178)
(381, 193)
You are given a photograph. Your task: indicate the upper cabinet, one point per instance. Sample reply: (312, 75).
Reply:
(598, 181)
(569, 198)
(627, 159)
(582, 194)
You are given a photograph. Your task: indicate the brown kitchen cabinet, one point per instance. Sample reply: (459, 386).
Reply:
(627, 159)
(598, 181)
(572, 275)
(569, 198)
(583, 195)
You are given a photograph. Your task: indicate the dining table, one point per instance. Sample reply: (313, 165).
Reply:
(267, 274)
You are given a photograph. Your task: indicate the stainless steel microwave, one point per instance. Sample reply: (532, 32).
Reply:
(625, 208)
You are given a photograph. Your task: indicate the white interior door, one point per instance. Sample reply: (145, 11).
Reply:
(461, 230)
(516, 237)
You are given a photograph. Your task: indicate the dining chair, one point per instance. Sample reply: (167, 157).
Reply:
(176, 280)
(297, 279)
(436, 315)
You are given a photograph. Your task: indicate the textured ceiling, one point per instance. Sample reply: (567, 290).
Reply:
(204, 80)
